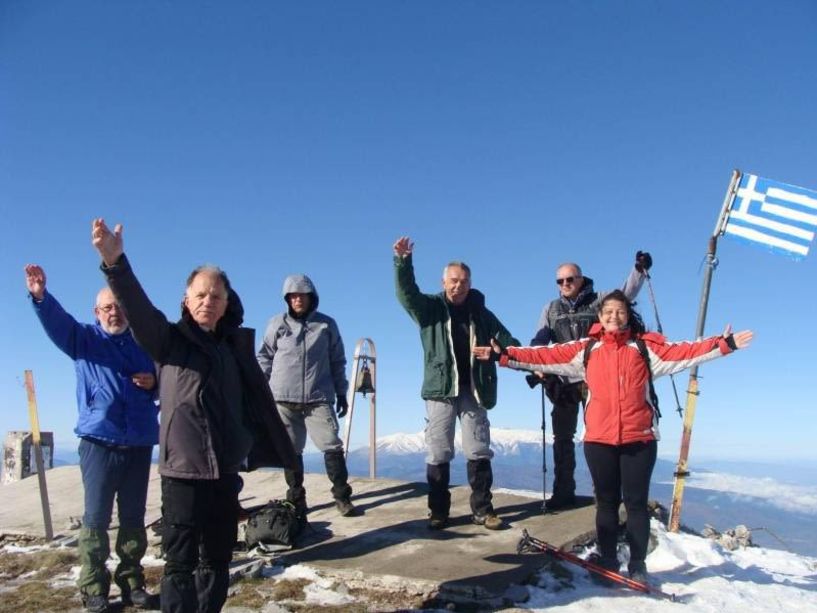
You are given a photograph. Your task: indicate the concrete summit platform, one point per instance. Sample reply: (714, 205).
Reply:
(389, 539)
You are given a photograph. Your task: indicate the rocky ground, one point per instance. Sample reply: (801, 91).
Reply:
(36, 576)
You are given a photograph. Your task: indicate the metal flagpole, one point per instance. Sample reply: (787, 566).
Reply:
(544, 452)
(682, 468)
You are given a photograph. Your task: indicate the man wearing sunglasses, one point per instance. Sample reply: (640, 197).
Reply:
(568, 318)
(117, 428)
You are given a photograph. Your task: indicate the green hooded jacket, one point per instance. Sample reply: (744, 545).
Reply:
(430, 311)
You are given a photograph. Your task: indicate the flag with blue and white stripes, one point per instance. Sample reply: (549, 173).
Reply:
(778, 216)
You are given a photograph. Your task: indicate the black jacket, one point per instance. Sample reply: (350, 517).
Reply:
(189, 443)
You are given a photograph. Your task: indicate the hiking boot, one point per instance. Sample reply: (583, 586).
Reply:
(437, 522)
(557, 502)
(610, 564)
(638, 572)
(346, 508)
(96, 603)
(138, 597)
(490, 520)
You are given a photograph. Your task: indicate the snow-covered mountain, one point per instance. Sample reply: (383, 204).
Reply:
(783, 514)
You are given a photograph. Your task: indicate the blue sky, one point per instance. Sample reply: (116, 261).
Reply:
(275, 138)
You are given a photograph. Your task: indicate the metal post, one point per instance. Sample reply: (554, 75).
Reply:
(369, 357)
(38, 454)
(682, 468)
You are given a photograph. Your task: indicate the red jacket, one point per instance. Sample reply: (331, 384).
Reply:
(618, 409)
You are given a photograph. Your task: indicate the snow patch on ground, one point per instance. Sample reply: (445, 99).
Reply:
(700, 573)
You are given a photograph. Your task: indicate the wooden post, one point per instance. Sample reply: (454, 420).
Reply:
(682, 468)
(38, 454)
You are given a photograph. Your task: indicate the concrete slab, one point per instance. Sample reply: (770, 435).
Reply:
(390, 538)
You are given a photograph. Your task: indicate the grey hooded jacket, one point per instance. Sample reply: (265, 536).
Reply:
(303, 358)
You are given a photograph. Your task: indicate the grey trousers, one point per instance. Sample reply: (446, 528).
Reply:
(318, 419)
(441, 419)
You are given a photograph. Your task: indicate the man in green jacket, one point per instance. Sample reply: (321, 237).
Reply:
(454, 384)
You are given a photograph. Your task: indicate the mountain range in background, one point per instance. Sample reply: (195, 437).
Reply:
(778, 502)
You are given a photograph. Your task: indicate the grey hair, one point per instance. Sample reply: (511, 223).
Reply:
(209, 269)
(458, 264)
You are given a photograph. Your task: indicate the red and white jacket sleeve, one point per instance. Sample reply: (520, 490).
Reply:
(667, 358)
(564, 359)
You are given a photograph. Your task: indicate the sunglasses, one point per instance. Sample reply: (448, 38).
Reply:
(568, 280)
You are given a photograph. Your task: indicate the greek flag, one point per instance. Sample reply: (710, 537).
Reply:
(781, 217)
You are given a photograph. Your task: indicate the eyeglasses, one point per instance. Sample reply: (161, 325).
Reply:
(109, 307)
(568, 280)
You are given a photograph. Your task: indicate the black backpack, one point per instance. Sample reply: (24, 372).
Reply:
(276, 523)
(642, 349)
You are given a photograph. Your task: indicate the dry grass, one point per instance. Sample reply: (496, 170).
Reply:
(44, 564)
(250, 593)
(38, 596)
(289, 589)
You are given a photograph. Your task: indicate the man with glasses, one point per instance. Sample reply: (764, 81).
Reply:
(568, 318)
(117, 427)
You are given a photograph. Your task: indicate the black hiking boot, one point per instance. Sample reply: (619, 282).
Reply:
(638, 572)
(346, 508)
(338, 474)
(439, 498)
(490, 520)
(610, 564)
(97, 603)
(560, 501)
(437, 522)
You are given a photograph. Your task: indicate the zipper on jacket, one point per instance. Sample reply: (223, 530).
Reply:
(450, 337)
(472, 342)
(303, 361)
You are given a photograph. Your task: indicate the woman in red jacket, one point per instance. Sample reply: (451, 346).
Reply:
(620, 420)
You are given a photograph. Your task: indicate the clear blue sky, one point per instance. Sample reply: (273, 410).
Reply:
(275, 138)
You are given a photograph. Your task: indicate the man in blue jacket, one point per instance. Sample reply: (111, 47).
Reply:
(117, 427)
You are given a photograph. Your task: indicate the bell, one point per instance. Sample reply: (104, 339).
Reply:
(364, 381)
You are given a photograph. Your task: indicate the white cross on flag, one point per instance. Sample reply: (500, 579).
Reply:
(781, 217)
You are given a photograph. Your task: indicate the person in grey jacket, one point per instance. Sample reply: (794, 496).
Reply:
(302, 356)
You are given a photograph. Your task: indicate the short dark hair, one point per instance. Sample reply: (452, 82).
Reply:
(634, 320)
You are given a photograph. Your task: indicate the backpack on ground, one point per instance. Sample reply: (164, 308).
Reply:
(642, 349)
(277, 523)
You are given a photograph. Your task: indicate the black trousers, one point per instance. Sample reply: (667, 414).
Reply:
(617, 470)
(564, 417)
(199, 531)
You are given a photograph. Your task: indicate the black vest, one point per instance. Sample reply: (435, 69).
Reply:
(570, 323)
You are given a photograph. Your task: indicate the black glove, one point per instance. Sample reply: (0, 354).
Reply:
(643, 261)
(341, 406)
(534, 380)
(502, 351)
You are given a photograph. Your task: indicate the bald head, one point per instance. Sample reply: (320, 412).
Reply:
(569, 279)
(110, 315)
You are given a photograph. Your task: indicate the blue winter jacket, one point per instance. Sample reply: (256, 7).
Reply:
(111, 408)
